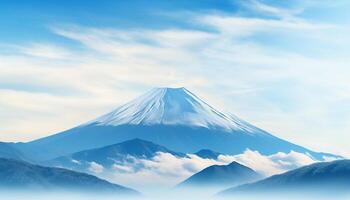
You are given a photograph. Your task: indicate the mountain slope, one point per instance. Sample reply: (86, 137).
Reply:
(112, 154)
(221, 176)
(8, 151)
(22, 175)
(172, 117)
(324, 176)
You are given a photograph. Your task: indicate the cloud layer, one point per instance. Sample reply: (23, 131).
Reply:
(166, 170)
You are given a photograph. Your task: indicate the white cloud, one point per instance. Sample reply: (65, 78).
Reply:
(95, 168)
(274, 11)
(45, 51)
(123, 168)
(169, 165)
(244, 27)
(166, 170)
(163, 170)
(329, 159)
(76, 162)
(272, 164)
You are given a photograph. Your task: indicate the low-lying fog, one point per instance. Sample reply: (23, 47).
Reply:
(165, 195)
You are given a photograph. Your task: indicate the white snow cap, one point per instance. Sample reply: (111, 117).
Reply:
(171, 106)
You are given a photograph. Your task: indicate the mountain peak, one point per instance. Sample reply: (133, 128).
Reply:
(207, 154)
(171, 106)
(235, 163)
(224, 175)
(171, 88)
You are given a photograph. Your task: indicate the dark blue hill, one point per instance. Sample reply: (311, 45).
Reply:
(325, 177)
(21, 175)
(221, 176)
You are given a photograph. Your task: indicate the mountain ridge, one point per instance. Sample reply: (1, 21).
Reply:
(109, 155)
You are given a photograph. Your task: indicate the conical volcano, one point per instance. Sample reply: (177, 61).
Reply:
(172, 106)
(172, 117)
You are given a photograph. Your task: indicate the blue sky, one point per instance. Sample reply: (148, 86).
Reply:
(281, 65)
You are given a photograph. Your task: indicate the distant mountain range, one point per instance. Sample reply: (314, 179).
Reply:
(21, 175)
(325, 177)
(221, 176)
(171, 117)
(112, 154)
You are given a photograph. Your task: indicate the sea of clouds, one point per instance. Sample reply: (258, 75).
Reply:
(166, 170)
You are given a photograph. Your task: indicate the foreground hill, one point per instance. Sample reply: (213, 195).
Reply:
(172, 117)
(326, 177)
(22, 175)
(221, 176)
(109, 155)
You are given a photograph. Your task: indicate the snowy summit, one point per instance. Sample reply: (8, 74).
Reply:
(171, 106)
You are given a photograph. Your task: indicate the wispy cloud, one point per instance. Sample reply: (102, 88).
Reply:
(49, 51)
(285, 13)
(244, 27)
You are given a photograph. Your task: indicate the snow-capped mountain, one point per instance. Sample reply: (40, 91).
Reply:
(171, 117)
(172, 106)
